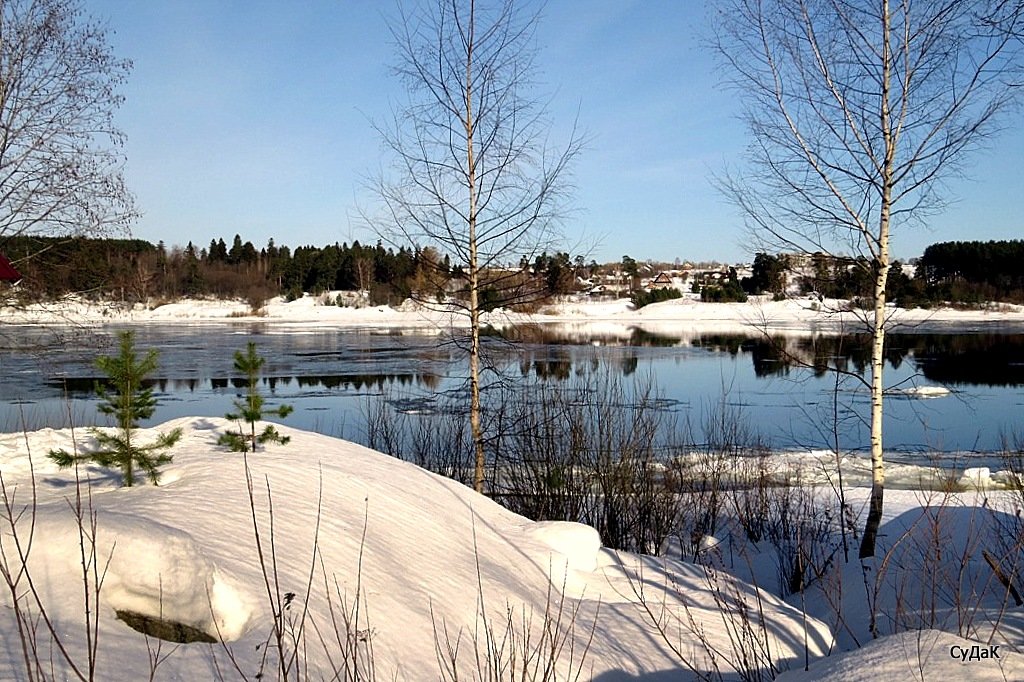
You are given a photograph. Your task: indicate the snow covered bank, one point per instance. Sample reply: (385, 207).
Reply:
(922, 471)
(680, 316)
(429, 560)
(943, 613)
(425, 556)
(920, 655)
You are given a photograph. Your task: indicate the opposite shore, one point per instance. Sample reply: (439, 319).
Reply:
(686, 315)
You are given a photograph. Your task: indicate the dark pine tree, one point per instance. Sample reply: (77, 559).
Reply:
(128, 402)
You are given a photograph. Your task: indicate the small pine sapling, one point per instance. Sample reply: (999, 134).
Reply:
(128, 401)
(251, 409)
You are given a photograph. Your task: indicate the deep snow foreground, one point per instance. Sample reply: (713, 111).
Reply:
(426, 556)
(919, 655)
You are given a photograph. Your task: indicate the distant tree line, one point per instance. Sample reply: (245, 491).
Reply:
(975, 271)
(963, 272)
(853, 279)
(135, 270)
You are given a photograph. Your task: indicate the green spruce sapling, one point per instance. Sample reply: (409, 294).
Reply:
(128, 401)
(251, 409)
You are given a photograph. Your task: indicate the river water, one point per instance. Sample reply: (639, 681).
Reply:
(784, 386)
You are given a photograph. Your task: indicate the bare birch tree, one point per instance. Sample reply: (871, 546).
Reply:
(858, 110)
(474, 176)
(60, 152)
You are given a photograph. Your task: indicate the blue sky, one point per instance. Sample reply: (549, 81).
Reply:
(254, 117)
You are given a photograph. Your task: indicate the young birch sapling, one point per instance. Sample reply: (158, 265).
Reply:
(251, 409)
(128, 401)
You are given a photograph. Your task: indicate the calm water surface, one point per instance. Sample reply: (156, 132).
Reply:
(331, 377)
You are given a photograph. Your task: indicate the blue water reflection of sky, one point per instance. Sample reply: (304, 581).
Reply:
(333, 377)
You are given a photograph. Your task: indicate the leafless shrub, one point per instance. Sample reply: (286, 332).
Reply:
(949, 569)
(707, 474)
(750, 498)
(523, 646)
(636, 510)
(440, 442)
(685, 627)
(591, 450)
(803, 530)
(44, 648)
(545, 468)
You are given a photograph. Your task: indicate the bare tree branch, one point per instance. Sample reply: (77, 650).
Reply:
(858, 112)
(60, 152)
(473, 175)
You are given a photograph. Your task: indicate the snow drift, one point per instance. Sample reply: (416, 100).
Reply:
(429, 562)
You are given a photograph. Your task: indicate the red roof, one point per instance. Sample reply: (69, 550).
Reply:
(7, 271)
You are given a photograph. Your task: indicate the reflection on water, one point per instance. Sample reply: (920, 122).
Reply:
(985, 359)
(954, 359)
(84, 387)
(559, 335)
(785, 383)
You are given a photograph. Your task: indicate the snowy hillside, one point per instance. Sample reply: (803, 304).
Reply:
(426, 557)
(369, 562)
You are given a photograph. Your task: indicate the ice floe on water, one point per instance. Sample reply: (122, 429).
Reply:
(924, 392)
